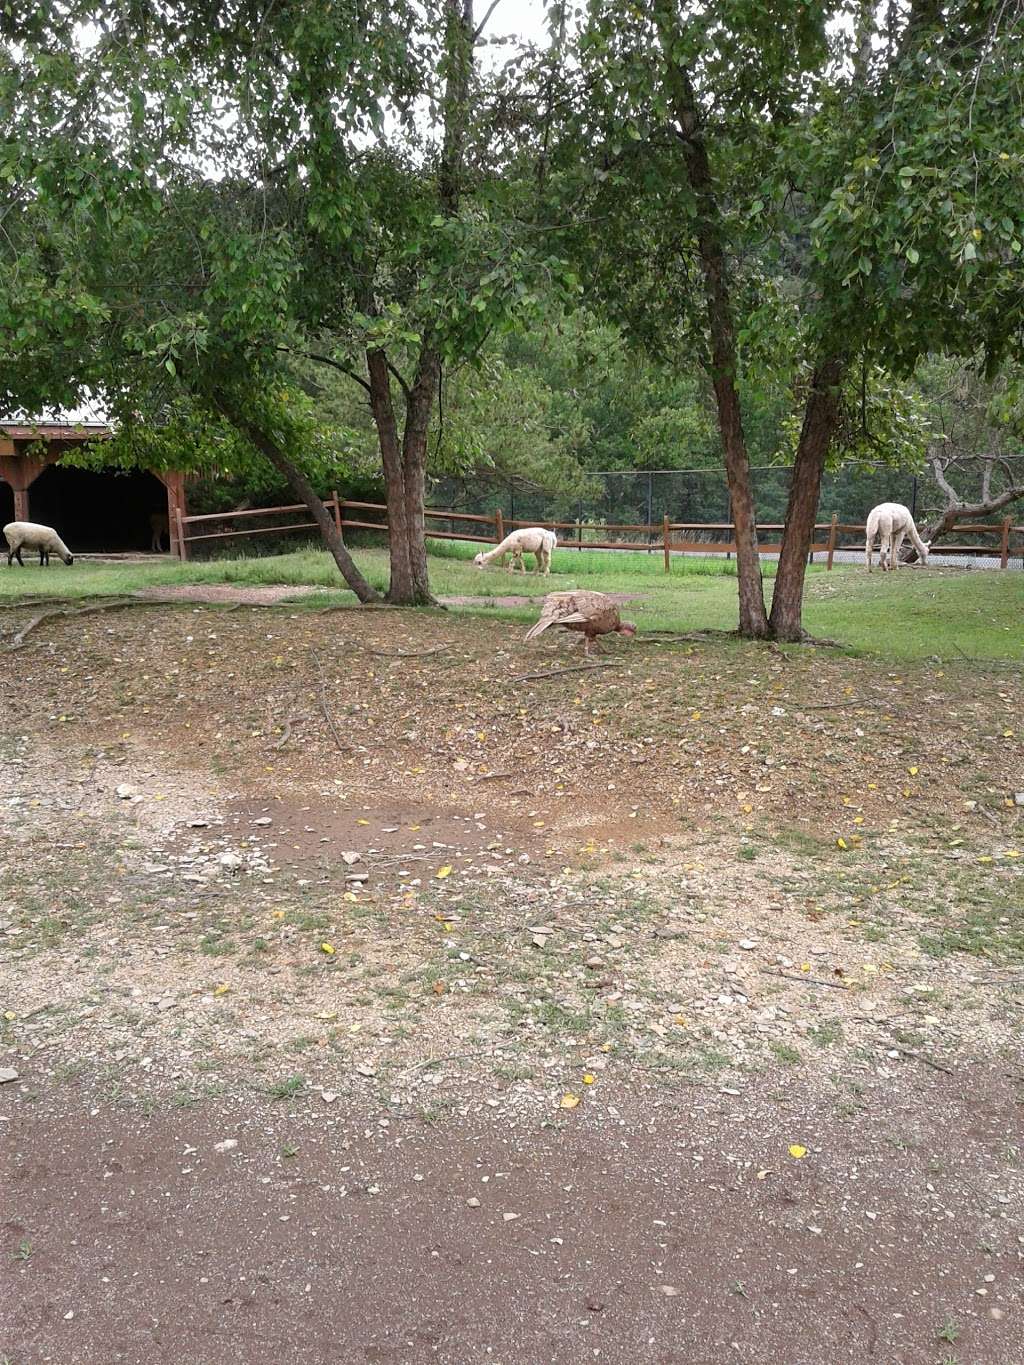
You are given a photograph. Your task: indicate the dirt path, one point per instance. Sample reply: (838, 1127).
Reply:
(678, 1229)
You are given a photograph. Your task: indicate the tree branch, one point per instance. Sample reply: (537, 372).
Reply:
(401, 382)
(483, 22)
(940, 479)
(337, 365)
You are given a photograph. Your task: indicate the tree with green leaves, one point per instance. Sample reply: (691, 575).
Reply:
(215, 201)
(778, 187)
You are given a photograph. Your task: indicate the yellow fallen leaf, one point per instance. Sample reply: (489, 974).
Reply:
(588, 1079)
(349, 896)
(747, 807)
(869, 968)
(858, 819)
(569, 1100)
(362, 822)
(222, 989)
(607, 1047)
(278, 914)
(695, 715)
(796, 1151)
(984, 860)
(912, 771)
(443, 872)
(9, 1015)
(1012, 853)
(1007, 734)
(805, 966)
(872, 786)
(327, 948)
(841, 843)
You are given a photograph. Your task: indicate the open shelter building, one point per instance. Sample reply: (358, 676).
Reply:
(94, 511)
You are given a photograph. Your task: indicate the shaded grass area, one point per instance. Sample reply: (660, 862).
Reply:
(912, 614)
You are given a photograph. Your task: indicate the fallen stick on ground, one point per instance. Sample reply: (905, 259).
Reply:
(923, 1057)
(325, 709)
(807, 980)
(19, 639)
(404, 654)
(573, 668)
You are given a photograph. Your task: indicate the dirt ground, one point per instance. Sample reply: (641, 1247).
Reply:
(317, 878)
(677, 1231)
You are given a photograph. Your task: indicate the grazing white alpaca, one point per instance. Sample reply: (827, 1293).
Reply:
(890, 522)
(533, 540)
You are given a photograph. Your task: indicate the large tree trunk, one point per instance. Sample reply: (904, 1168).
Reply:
(414, 460)
(307, 494)
(402, 585)
(405, 458)
(753, 619)
(821, 416)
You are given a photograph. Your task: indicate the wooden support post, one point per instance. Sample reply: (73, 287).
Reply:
(337, 513)
(21, 504)
(499, 527)
(832, 533)
(1004, 544)
(665, 533)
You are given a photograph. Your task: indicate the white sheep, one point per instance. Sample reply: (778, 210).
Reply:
(890, 522)
(29, 535)
(534, 540)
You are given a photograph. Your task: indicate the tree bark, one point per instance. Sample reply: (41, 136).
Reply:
(717, 292)
(414, 461)
(821, 417)
(405, 458)
(402, 586)
(307, 494)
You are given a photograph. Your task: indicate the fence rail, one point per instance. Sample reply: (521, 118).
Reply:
(664, 536)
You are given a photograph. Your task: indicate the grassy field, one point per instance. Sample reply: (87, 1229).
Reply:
(947, 613)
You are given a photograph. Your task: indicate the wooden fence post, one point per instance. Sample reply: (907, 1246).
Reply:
(499, 526)
(337, 512)
(1004, 546)
(180, 527)
(832, 539)
(665, 533)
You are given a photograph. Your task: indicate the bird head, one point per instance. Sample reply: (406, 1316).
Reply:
(927, 547)
(627, 628)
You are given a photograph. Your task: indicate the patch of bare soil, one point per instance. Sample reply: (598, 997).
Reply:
(712, 965)
(255, 595)
(769, 1228)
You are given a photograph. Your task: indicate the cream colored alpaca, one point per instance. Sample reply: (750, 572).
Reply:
(533, 540)
(890, 522)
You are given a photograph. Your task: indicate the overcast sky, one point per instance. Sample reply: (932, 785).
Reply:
(523, 17)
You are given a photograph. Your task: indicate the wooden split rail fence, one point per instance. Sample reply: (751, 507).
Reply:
(670, 537)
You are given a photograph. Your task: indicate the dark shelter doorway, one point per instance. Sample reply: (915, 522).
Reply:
(6, 506)
(98, 510)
